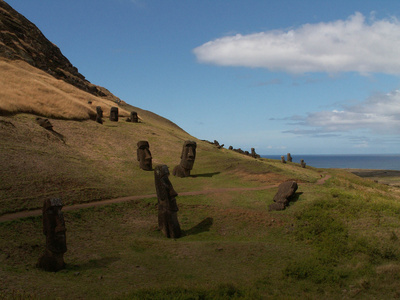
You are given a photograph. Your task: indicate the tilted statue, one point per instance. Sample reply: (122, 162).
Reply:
(187, 160)
(54, 230)
(144, 155)
(167, 208)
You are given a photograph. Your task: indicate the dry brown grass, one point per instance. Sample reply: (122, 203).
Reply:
(24, 88)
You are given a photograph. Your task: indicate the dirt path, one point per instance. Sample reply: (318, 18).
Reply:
(38, 212)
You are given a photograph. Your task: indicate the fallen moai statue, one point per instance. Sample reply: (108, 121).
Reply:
(45, 123)
(54, 229)
(167, 208)
(285, 192)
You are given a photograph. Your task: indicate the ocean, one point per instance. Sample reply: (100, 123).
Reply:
(353, 161)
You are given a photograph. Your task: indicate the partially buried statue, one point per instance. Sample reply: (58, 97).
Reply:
(54, 230)
(187, 160)
(99, 115)
(114, 114)
(144, 155)
(167, 208)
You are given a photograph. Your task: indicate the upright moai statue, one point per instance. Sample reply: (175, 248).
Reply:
(144, 155)
(167, 208)
(302, 163)
(134, 117)
(114, 114)
(230, 148)
(99, 116)
(289, 158)
(283, 159)
(187, 160)
(54, 230)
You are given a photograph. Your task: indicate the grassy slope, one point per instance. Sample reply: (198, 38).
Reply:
(339, 239)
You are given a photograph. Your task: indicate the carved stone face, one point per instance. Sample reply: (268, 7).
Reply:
(114, 114)
(134, 117)
(144, 155)
(54, 226)
(188, 155)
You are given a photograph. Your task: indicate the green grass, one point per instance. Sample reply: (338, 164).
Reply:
(339, 239)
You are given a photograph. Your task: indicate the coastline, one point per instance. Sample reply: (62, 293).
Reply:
(388, 177)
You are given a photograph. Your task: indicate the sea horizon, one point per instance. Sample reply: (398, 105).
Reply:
(345, 161)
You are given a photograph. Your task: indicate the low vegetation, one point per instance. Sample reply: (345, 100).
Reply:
(338, 238)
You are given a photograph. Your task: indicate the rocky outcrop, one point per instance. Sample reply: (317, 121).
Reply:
(20, 39)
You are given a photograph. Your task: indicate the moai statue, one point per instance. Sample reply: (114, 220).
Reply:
(230, 148)
(167, 208)
(114, 114)
(283, 159)
(54, 230)
(289, 158)
(286, 191)
(187, 160)
(302, 163)
(144, 155)
(99, 116)
(134, 117)
(45, 123)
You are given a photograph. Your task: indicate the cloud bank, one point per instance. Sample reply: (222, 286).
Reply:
(340, 46)
(379, 114)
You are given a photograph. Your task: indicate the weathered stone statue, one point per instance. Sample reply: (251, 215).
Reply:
(289, 158)
(285, 192)
(45, 123)
(167, 208)
(54, 230)
(144, 155)
(114, 114)
(283, 159)
(134, 117)
(230, 148)
(302, 163)
(99, 116)
(187, 160)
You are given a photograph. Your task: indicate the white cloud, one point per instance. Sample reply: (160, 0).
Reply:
(341, 46)
(379, 114)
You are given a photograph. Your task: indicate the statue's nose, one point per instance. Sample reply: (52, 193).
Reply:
(147, 155)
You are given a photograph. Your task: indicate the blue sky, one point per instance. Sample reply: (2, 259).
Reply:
(306, 77)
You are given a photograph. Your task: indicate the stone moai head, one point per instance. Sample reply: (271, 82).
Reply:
(302, 163)
(188, 155)
(114, 114)
(230, 148)
(167, 207)
(134, 117)
(144, 155)
(289, 157)
(99, 115)
(99, 111)
(54, 230)
(283, 159)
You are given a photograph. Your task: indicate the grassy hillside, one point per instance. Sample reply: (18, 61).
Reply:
(338, 239)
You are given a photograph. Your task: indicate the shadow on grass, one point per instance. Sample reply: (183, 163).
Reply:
(203, 226)
(94, 264)
(295, 197)
(205, 175)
